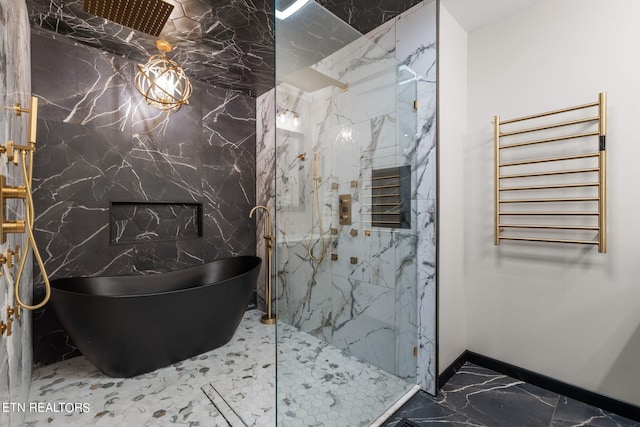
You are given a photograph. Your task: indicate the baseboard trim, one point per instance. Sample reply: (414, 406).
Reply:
(451, 370)
(603, 402)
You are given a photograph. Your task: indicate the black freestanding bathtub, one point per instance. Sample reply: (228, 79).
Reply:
(130, 325)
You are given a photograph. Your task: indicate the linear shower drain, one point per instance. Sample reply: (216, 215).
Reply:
(406, 423)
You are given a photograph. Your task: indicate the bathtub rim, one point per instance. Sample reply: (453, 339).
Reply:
(176, 273)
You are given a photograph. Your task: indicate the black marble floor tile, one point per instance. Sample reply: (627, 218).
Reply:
(476, 396)
(497, 400)
(570, 412)
(424, 410)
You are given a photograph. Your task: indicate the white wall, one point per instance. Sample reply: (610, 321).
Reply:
(452, 125)
(561, 310)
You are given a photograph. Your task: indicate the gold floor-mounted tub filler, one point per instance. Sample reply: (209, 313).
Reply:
(21, 155)
(529, 174)
(270, 317)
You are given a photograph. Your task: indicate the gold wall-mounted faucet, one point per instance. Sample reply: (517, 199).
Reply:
(10, 192)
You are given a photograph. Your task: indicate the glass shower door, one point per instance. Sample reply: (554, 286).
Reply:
(345, 224)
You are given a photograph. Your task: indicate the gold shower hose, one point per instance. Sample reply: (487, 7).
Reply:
(31, 241)
(315, 206)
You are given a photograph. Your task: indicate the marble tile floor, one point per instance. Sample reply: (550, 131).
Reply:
(319, 386)
(478, 397)
(231, 386)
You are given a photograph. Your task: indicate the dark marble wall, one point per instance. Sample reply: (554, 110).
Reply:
(98, 142)
(134, 222)
(365, 15)
(226, 43)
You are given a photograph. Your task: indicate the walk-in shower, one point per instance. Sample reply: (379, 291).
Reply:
(356, 201)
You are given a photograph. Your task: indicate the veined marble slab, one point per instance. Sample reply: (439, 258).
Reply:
(15, 87)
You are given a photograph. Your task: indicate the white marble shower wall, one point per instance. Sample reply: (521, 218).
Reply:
(15, 87)
(412, 38)
(265, 178)
(367, 307)
(416, 48)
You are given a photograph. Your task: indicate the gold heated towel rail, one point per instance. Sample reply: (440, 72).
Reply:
(591, 129)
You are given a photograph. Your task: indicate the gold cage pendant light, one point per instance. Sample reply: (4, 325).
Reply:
(163, 82)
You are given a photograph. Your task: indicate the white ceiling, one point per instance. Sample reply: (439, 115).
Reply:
(473, 14)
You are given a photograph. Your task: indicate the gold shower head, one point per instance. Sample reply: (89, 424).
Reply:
(148, 16)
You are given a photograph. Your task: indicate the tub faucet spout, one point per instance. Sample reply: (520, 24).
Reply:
(267, 221)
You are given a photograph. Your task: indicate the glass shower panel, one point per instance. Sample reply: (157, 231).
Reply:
(345, 223)
(407, 238)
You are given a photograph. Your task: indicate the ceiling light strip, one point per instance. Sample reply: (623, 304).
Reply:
(296, 6)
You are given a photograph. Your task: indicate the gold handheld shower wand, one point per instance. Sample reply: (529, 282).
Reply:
(269, 318)
(24, 192)
(316, 208)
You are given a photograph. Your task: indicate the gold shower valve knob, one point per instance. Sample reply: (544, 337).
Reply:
(10, 192)
(13, 226)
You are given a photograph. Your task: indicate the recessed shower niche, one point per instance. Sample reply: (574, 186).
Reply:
(135, 222)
